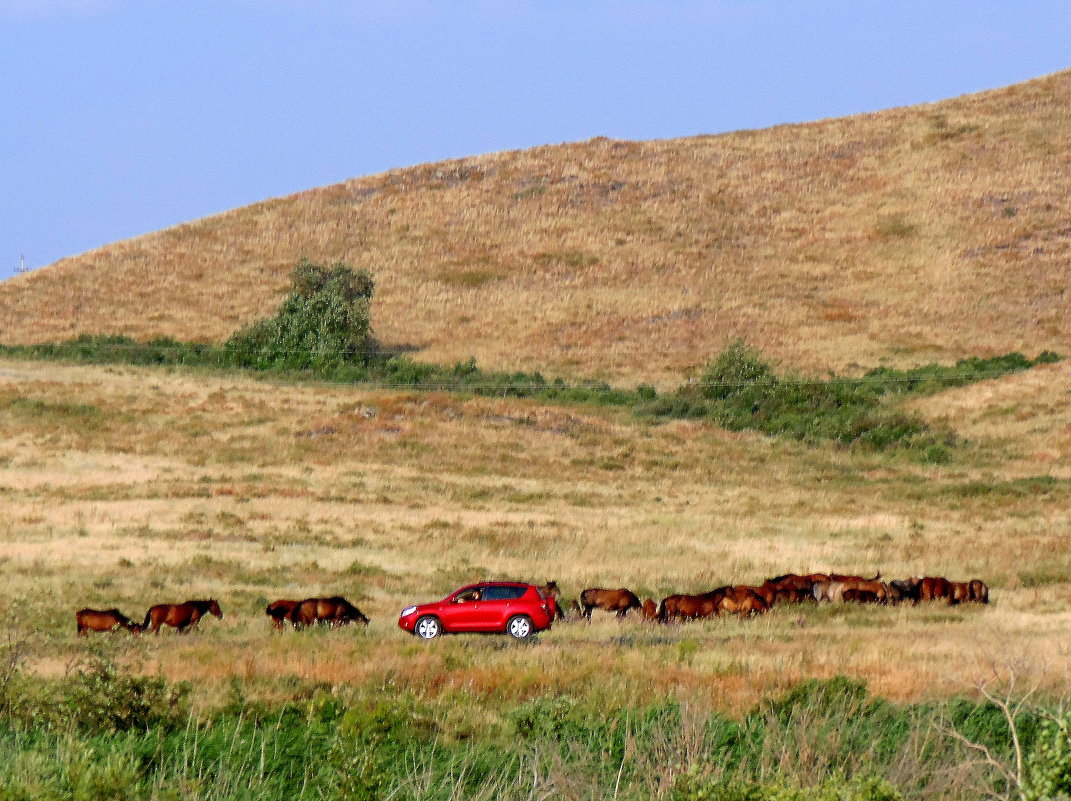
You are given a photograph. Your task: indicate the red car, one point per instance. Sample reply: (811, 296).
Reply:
(497, 607)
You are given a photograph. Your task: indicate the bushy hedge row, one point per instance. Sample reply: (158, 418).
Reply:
(322, 331)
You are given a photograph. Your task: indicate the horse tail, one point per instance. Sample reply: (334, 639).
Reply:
(148, 619)
(661, 615)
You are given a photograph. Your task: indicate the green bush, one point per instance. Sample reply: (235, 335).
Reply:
(1048, 766)
(322, 325)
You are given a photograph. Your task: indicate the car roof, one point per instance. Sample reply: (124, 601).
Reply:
(497, 584)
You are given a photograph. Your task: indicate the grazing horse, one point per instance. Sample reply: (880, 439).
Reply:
(649, 611)
(833, 590)
(958, 592)
(279, 612)
(790, 588)
(903, 590)
(858, 596)
(930, 588)
(103, 620)
(688, 607)
(182, 616)
(740, 600)
(551, 590)
(335, 611)
(619, 601)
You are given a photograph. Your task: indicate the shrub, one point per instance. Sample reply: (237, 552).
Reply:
(322, 325)
(1048, 766)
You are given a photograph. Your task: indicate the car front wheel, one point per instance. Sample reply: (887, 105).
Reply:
(520, 627)
(428, 628)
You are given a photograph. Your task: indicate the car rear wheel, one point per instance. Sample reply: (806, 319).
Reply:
(428, 628)
(520, 627)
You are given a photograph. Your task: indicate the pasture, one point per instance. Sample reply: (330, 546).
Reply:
(124, 487)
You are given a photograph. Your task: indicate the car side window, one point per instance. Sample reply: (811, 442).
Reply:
(503, 593)
(468, 596)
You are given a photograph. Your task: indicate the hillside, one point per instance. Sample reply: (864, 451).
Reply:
(903, 236)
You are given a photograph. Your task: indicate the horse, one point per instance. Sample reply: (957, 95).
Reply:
(741, 599)
(688, 607)
(550, 590)
(279, 611)
(790, 588)
(182, 616)
(619, 601)
(649, 610)
(903, 590)
(855, 595)
(979, 591)
(103, 620)
(958, 592)
(794, 581)
(833, 590)
(336, 611)
(930, 588)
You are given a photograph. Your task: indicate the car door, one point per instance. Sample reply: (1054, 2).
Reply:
(461, 611)
(498, 606)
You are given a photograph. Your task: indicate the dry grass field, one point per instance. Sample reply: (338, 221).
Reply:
(908, 235)
(125, 487)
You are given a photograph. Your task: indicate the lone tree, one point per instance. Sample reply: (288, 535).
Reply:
(322, 325)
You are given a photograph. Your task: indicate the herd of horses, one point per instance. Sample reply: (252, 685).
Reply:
(334, 611)
(739, 599)
(791, 588)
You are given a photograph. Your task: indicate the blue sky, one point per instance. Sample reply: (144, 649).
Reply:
(120, 117)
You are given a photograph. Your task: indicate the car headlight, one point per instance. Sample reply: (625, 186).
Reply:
(407, 611)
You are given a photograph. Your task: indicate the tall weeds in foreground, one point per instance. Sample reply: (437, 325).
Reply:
(822, 740)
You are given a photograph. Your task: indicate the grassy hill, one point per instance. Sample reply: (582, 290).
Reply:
(908, 235)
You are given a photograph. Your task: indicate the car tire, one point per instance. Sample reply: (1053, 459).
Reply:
(520, 627)
(428, 628)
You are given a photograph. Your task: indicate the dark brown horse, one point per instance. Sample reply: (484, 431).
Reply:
(279, 612)
(858, 596)
(551, 590)
(979, 591)
(682, 607)
(619, 601)
(335, 611)
(182, 616)
(103, 620)
(931, 588)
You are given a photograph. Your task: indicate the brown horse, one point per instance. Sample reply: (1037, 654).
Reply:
(551, 590)
(741, 600)
(791, 588)
(794, 581)
(858, 596)
(833, 590)
(335, 611)
(979, 591)
(931, 588)
(688, 607)
(182, 616)
(103, 620)
(619, 601)
(649, 611)
(279, 612)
